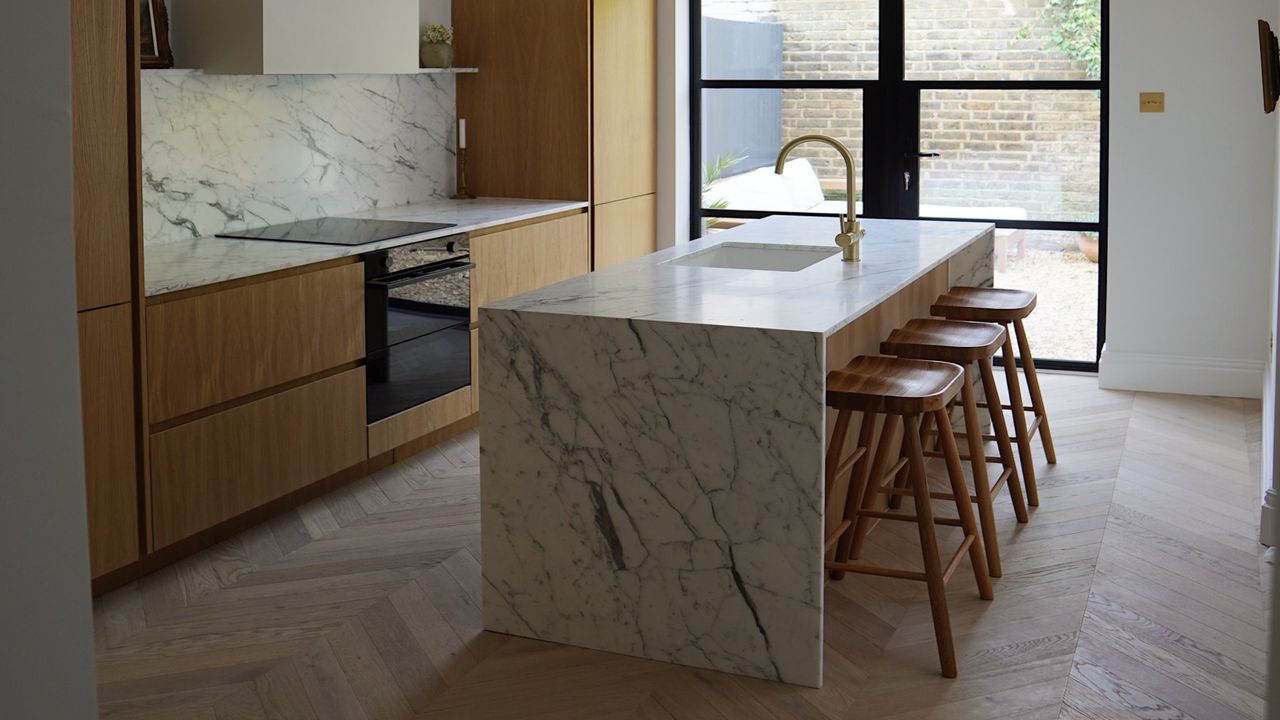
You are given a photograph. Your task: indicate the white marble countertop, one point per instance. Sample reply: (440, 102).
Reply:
(184, 264)
(821, 298)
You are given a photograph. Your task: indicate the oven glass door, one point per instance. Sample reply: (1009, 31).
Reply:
(418, 336)
(411, 373)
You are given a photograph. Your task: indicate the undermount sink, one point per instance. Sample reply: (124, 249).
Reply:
(756, 256)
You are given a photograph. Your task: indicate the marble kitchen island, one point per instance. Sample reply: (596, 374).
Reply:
(652, 440)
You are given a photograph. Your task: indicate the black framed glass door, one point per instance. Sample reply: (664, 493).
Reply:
(990, 110)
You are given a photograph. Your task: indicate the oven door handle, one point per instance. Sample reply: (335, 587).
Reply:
(410, 277)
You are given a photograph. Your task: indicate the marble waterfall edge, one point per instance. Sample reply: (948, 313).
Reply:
(653, 503)
(226, 152)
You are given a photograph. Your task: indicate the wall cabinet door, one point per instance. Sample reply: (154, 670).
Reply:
(529, 107)
(526, 258)
(209, 349)
(100, 151)
(217, 467)
(625, 99)
(109, 412)
(625, 229)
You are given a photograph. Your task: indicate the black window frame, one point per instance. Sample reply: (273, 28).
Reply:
(876, 156)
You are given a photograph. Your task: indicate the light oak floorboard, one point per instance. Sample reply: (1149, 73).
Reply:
(1135, 592)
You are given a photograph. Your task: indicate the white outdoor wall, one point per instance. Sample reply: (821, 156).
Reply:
(1192, 196)
(46, 640)
(673, 122)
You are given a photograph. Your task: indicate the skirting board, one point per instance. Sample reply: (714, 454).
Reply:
(1146, 372)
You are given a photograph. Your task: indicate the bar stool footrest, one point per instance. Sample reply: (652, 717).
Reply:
(873, 570)
(903, 517)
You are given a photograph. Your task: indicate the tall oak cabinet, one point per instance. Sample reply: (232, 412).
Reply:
(108, 272)
(565, 107)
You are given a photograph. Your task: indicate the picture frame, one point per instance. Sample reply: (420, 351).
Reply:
(153, 34)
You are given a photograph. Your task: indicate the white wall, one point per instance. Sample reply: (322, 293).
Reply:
(1191, 203)
(46, 649)
(673, 122)
(1270, 408)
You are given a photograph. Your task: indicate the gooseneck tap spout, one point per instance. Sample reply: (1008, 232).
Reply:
(850, 237)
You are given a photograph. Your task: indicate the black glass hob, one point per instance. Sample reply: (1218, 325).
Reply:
(336, 231)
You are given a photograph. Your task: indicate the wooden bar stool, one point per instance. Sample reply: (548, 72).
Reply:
(1009, 307)
(968, 344)
(904, 392)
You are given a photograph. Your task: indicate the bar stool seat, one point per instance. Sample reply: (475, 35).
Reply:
(969, 344)
(892, 385)
(1009, 307)
(946, 340)
(904, 391)
(1002, 305)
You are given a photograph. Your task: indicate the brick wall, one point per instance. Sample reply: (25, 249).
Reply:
(1031, 149)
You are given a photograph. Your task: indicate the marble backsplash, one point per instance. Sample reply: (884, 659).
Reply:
(223, 152)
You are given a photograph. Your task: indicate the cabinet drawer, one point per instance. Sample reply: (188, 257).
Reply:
(526, 258)
(405, 427)
(217, 467)
(208, 349)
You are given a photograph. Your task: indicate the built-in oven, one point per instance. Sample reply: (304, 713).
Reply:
(417, 324)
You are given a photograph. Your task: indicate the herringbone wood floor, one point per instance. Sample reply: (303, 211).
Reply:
(1133, 593)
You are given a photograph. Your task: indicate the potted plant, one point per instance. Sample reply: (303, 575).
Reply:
(1087, 240)
(436, 50)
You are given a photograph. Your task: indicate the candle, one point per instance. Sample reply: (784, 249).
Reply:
(462, 133)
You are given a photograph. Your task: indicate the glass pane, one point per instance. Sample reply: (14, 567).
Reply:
(792, 39)
(1004, 39)
(743, 130)
(1011, 154)
(1062, 267)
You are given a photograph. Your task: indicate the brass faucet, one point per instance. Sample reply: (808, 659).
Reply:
(850, 237)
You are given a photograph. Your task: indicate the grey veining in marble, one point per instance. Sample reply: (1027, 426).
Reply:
(184, 264)
(654, 489)
(652, 447)
(821, 298)
(224, 152)
(974, 266)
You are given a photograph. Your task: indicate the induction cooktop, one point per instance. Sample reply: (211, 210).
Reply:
(336, 231)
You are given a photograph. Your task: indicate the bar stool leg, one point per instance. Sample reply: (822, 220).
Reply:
(1019, 421)
(965, 512)
(857, 479)
(1033, 385)
(1002, 438)
(850, 546)
(929, 546)
(900, 481)
(981, 483)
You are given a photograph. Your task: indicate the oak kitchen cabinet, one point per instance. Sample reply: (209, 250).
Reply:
(514, 261)
(254, 392)
(212, 469)
(100, 138)
(565, 107)
(219, 346)
(110, 436)
(104, 77)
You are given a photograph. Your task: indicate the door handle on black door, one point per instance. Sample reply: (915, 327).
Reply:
(922, 155)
